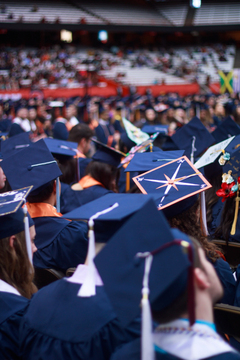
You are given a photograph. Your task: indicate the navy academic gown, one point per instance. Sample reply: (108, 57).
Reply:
(12, 308)
(131, 351)
(72, 199)
(60, 325)
(61, 243)
(216, 210)
(228, 282)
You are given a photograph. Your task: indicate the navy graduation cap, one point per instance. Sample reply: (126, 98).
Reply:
(14, 144)
(11, 213)
(150, 160)
(233, 145)
(34, 165)
(152, 129)
(233, 164)
(107, 224)
(226, 129)
(194, 138)
(122, 269)
(61, 149)
(172, 182)
(107, 154)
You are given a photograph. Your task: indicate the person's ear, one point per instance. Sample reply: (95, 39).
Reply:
(11, 241)
(201, 279)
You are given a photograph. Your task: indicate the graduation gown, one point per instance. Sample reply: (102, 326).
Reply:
(227, 279)
(60, 325)
(183, 346)
(90, 190)
(61, 243)
(12, 308)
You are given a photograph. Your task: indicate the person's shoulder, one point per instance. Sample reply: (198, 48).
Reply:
(226, 356)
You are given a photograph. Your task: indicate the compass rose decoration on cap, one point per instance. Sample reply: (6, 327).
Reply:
(172, 182)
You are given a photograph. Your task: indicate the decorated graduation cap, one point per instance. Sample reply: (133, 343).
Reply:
(107, 154)
(146, 262)
(176, 182)
(13, 218)
(14, 144)
(150, 160)
(34, 165)
(110, 212)
(215, 152)
(61, 150)
(134, 133)
(226, 129)
(194, 138)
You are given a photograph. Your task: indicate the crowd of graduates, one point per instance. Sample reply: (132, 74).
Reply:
(122, 198)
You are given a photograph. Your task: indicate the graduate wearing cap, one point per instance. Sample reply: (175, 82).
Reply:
(100, 179)
(104, 130)
(176, 186)
(16, 271)
(162, 268)
(61, 243)
(83, 322)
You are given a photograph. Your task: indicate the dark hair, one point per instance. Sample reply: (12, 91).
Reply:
(41, 194)
(188, 223)
(80, 131)
(179, 306)
(15, 268)
(223, 230)
(69, 170)
(104, 173)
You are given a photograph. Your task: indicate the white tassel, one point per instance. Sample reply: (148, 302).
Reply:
(193, 149)
(88, 287)
(58, 194)
(203, 213)
(147, 349)
(27, 233)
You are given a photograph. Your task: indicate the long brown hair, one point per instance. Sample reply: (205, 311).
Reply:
(188, 223)
(15, 268)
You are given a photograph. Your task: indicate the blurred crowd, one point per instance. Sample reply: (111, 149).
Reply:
(71, 67)
(40, 115)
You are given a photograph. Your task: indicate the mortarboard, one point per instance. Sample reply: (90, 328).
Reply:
(193, 137)
(60, 131)
(109, 223)
(150, 160)
(122, 270)
(175, 182)
(107, 154)
(11, 213)
(111, 213)
(213, 153)
(61, 149)
(34, 165)
(152, 129)
(233, 145)
(134, 133)
(226, 129)
(14, 144)
(15, 219)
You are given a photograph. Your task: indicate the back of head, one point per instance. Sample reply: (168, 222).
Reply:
(80, 131)
(106, 174)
